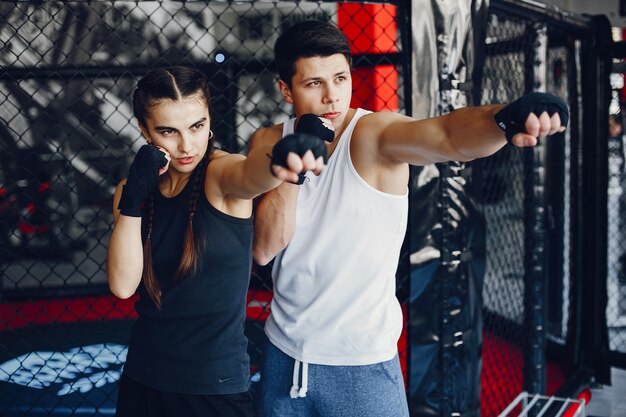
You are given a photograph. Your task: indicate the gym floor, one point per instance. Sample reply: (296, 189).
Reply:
(609, 401)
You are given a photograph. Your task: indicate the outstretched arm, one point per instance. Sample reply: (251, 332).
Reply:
(268, 165)
(467, 133)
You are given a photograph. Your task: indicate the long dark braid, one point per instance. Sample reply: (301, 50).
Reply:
(149, 278)
(192, 248)
(172, 83)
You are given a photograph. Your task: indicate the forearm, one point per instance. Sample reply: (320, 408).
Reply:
(462, 135)
(473, 133)
(125, 257)
(257, 171)
(245, 177)
(467, 133)
(274, 222)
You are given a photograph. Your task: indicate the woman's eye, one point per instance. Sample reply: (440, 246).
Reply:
(197, 126)
(167, 132)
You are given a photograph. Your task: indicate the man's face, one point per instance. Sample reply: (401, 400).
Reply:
(322, 86)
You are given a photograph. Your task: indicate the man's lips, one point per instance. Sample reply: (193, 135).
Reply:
(330, 115)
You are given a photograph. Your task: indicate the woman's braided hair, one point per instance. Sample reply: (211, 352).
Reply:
(175, 84)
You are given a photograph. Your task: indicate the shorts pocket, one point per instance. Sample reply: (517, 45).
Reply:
(390, 368)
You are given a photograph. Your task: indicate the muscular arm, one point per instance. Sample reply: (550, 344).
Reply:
(245, 177)
(275, 215)
(125, 253)
(462, 135)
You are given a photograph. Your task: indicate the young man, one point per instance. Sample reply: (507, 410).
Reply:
(335, 320)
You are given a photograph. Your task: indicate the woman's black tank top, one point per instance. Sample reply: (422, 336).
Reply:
(195, 344)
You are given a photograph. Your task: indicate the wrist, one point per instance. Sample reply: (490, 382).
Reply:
(130, 205)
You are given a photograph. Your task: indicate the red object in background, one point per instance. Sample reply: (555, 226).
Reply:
(402, 346)
(371, 29)
(258, 305)
(14, 315)
(502, 375)
(18, 314)
(622, 98)
(375, 89)
(585, 395)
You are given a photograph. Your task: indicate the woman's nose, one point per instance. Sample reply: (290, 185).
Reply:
(185, 144)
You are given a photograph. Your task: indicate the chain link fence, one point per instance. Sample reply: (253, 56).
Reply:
(616, 232)
(506, 214)
(526, 198)
(67, 137)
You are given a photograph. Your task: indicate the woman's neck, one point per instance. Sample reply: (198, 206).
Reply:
(171, 184)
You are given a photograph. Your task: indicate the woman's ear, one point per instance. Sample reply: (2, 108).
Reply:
(144, 133)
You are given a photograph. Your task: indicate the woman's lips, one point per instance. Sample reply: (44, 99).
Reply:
(185, 161)
(332, 115)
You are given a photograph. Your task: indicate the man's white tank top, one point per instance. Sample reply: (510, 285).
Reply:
(334, 285)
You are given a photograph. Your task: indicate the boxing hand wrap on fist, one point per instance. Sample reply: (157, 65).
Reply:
(312, 124)
(142, 180)
(512, 118)
(298, 143)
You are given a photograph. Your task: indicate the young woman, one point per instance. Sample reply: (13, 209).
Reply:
(182, 239)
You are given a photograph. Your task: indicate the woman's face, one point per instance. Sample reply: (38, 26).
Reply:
(181, 128)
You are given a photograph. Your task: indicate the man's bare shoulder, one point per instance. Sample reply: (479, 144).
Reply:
(266, 136)
(372, 125)
(382, 118)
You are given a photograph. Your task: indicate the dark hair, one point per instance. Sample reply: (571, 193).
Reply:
(172, 83)
(308, 39)
(175, 84)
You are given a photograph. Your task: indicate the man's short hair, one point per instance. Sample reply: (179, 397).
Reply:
(308, 39)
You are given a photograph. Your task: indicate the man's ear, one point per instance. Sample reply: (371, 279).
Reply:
(144, 133)
(285, 91)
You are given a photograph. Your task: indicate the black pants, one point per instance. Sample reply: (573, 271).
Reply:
(138, 400)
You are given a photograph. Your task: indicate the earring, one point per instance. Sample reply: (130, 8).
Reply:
(210, 134)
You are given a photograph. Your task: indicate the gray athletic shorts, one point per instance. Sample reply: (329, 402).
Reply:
(331, 391)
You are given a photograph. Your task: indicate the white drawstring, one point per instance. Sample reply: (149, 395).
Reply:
(296, 391)
(294, 385)
(305, 380)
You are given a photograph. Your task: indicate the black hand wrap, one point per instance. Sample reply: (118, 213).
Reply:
(143, 179)
(313, 125)
(298, 143)
(512, 118)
